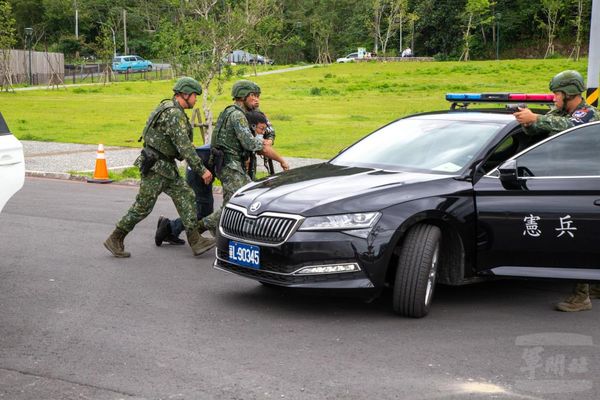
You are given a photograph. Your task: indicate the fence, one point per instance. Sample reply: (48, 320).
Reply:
(91, 73)
(43, 66)
(50, 68)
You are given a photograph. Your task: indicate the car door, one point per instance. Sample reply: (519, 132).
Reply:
(12, 164)
(546, 221)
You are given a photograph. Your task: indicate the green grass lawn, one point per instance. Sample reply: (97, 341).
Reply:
(316, 111)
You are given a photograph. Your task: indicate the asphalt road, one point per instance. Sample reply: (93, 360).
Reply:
(76, 323)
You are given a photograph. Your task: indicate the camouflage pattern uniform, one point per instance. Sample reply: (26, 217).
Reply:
(171, 136)
(556, 120)
(233, 136)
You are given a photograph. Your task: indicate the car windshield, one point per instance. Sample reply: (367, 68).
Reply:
(428, 145)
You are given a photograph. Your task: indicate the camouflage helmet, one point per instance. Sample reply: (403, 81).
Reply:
(187, 85)
(241, 89)
(570, 82)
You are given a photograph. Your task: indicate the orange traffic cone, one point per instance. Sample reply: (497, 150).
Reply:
(101, 171)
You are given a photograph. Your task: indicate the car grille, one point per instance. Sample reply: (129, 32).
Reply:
(267, 229)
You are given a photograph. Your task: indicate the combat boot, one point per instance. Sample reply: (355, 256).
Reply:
(163, 229)
(579, 300)
(164, 233)
(594, 291)
(115, 245)
(199, 243)
(201, 226)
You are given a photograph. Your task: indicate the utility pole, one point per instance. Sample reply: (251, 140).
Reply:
(76, 19)
(400, 41)
(125, 31)
(594, 56)
(29, 36)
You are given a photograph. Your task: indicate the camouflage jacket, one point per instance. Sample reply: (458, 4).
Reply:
(557, 120)
(233, 136)
(169, 132)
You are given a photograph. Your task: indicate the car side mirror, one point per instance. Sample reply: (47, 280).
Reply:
(508, 174)
(508, 170)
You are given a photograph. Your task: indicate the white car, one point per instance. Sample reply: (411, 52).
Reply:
(12, 164)
(349, 58)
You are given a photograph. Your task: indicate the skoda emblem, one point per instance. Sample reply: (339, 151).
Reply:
(255, 206)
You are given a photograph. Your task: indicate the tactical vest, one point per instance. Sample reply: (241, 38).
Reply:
(160, 140)
(219, 140)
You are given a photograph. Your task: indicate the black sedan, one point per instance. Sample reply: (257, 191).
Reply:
(449, 197)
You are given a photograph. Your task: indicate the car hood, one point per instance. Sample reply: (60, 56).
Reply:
(334, 189)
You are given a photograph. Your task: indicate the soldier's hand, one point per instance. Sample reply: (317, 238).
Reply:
(267, 142)
(207, 177)
(284, 165)
(525, 116)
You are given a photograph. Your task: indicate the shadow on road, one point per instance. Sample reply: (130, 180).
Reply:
(523, 296)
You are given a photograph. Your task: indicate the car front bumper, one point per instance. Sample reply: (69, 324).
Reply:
(282, 264)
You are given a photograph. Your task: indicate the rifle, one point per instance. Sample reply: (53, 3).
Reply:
(269, 165)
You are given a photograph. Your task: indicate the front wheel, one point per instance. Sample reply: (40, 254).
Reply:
(417, 271)
(149, 68)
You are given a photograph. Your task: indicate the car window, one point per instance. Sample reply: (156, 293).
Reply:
(432, 145)
(116, 60)
(574, 153)
(3, 127)
(130, 58)
(511, 145)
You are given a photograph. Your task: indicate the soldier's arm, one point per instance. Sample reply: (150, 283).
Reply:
(182, 142)
(270, 152)
(243, 133)
(552, 124)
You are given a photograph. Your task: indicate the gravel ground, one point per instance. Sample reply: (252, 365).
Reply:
(54, 159)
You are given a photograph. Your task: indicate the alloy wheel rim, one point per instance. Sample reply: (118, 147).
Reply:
(431, 276)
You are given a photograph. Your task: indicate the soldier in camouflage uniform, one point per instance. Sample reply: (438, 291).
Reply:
(167, 137)
(232, 135)
(168, 230)
(571, 110)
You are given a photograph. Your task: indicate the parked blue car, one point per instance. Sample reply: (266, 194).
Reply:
(130, 64)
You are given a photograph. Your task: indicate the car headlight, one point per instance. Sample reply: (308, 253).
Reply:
(340, 222)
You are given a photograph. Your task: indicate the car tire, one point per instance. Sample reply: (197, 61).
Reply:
(128, 70)
(149, 68)
(417, 271)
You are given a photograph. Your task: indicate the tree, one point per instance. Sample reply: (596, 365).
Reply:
(580, 6)
(201, 37)
(477, 13)
(552, 15)
(7, 42)
(388, 17)
(429, 38)
(104, 47)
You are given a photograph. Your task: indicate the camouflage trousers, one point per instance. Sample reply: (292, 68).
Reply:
(232, 179)
(153, 185)
(584, 289)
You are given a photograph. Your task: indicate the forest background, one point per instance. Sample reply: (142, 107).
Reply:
(293, 31)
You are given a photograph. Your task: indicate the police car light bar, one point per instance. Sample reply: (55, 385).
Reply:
(500, 97)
